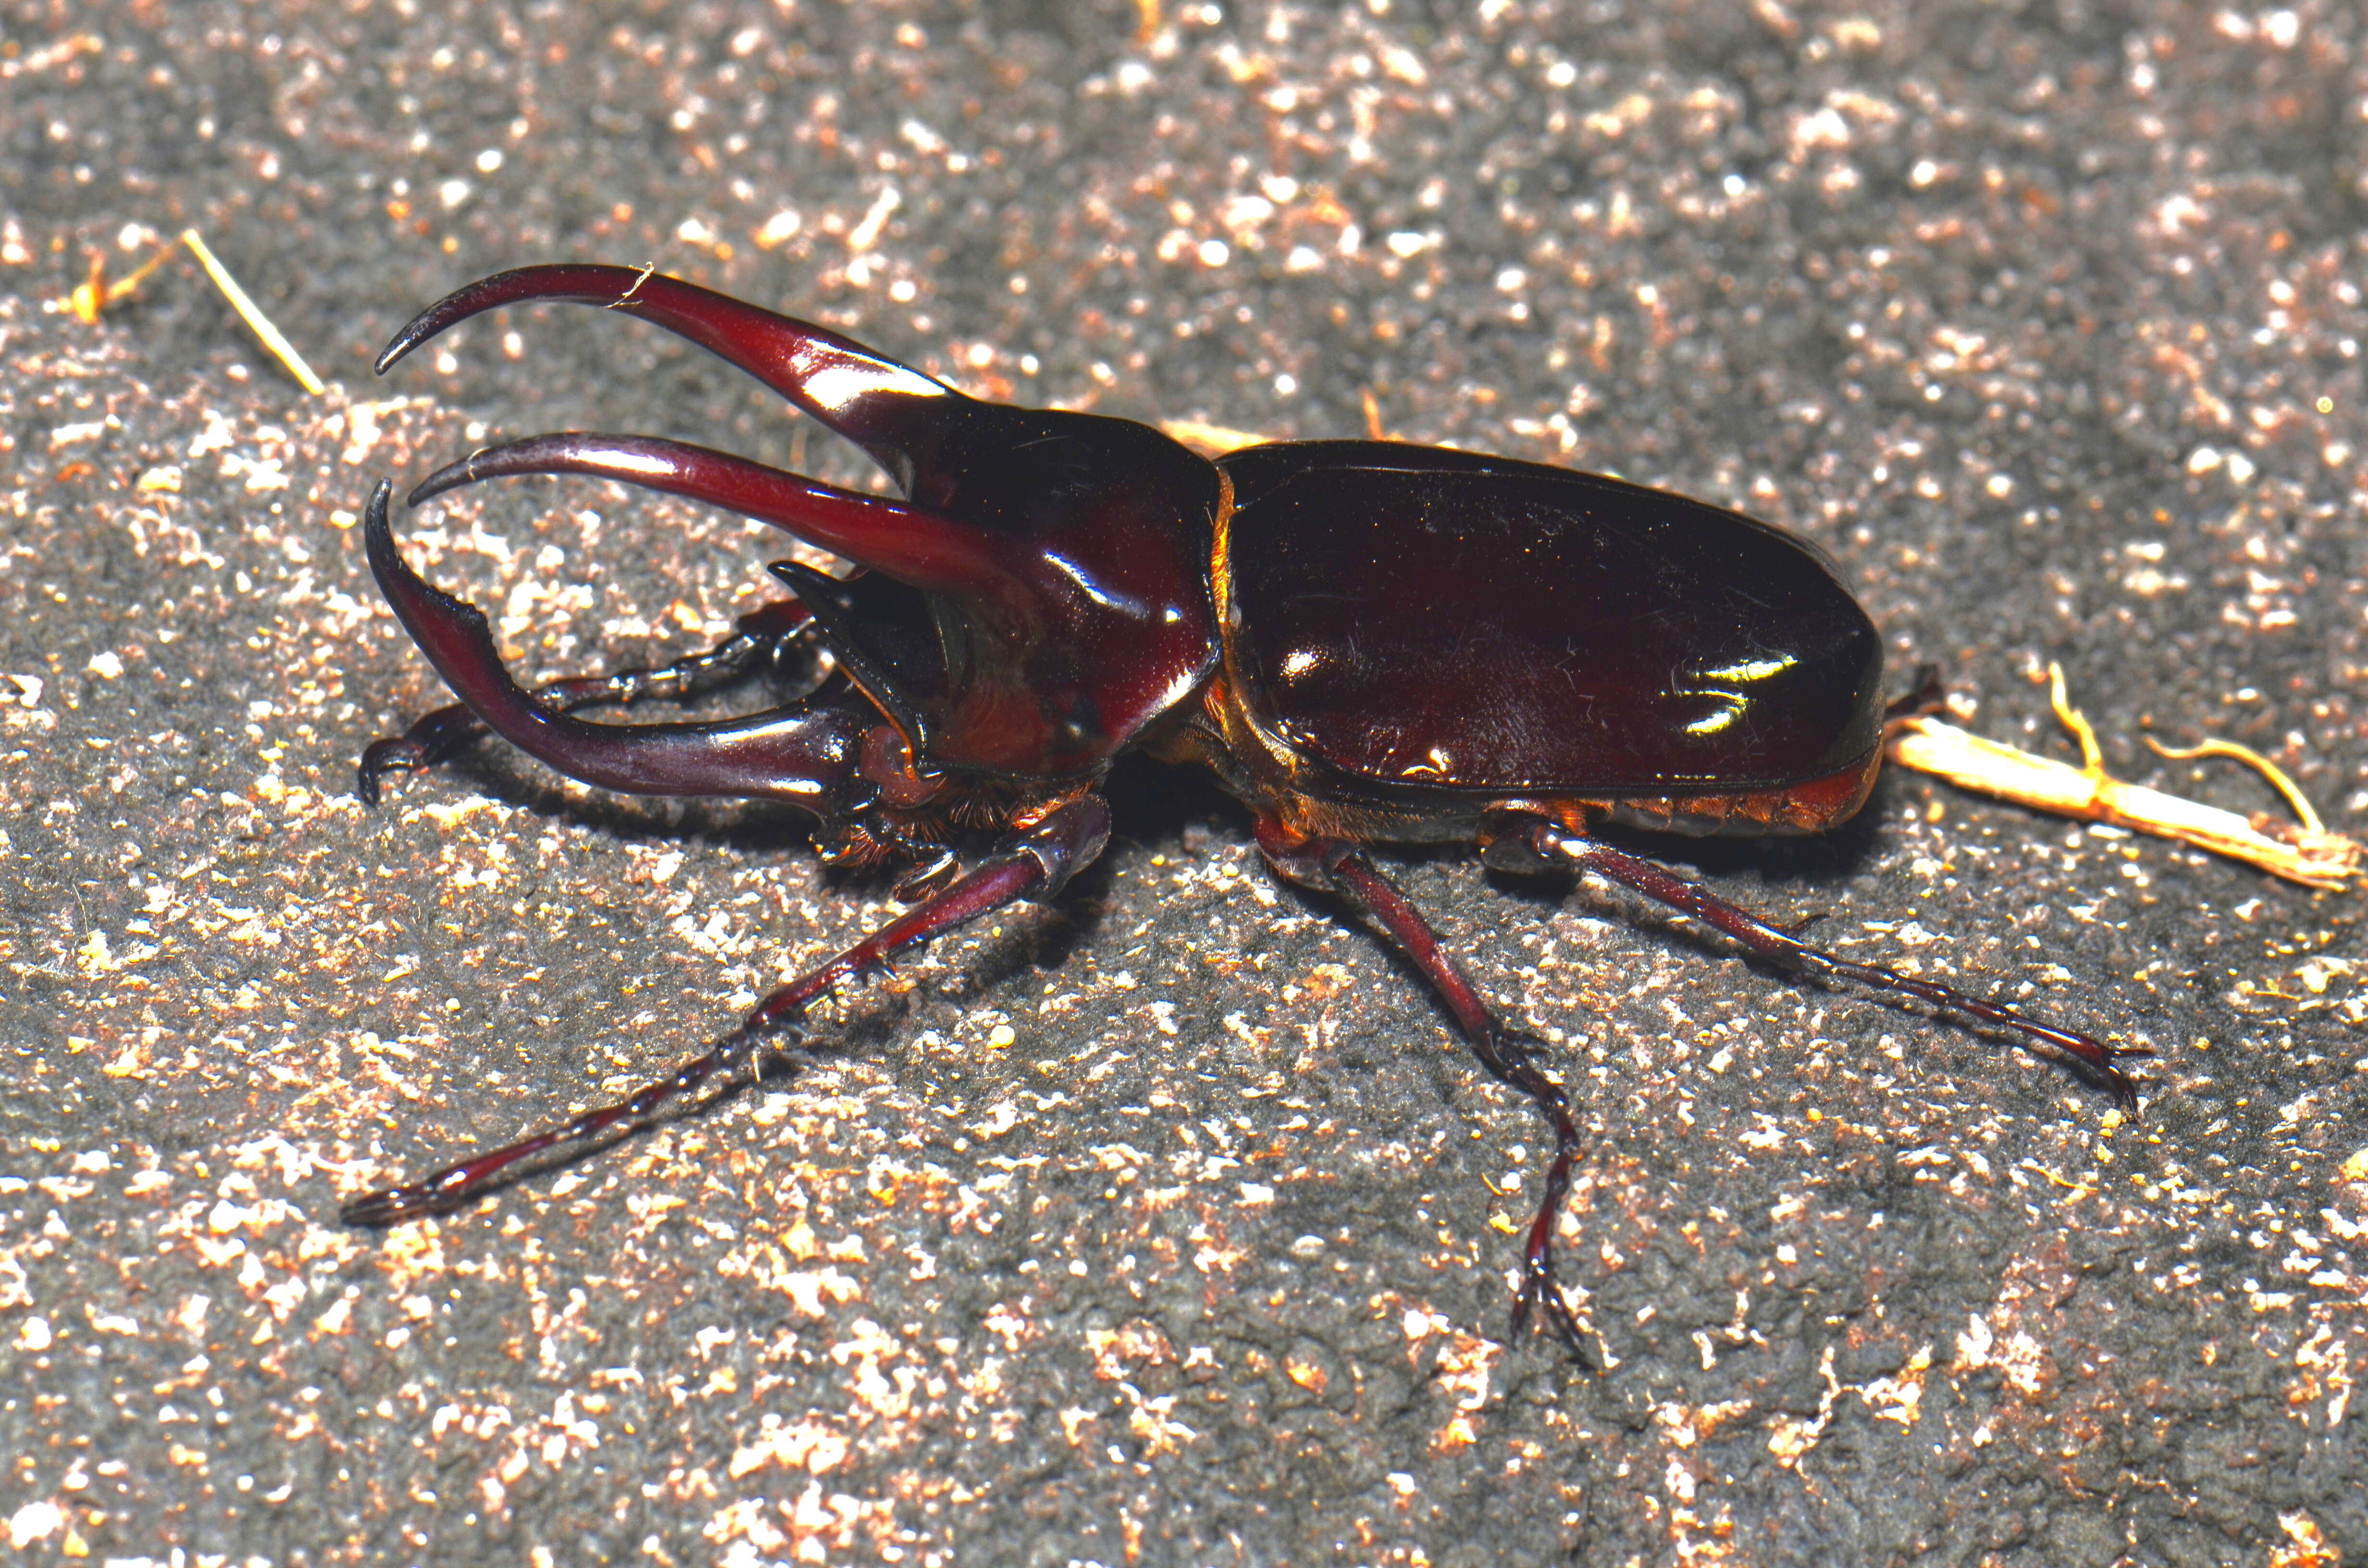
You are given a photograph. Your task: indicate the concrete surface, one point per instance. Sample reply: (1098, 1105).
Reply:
(1170, 1225)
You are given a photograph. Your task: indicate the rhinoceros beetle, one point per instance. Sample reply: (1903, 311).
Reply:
(1365, 641)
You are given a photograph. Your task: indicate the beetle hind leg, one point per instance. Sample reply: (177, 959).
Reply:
(1339, 867)
(2094, 1059)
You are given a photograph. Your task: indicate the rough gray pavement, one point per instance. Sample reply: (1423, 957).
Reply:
(1171, 1224)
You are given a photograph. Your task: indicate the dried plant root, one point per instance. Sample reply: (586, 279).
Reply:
(2303, 851)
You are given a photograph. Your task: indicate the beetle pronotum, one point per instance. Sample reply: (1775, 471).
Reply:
(1057, 590)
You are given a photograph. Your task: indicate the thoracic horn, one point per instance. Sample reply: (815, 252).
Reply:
(892, 411)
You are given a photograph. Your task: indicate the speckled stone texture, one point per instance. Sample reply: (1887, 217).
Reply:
(1171, 1225)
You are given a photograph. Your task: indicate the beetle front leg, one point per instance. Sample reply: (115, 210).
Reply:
(1339, 867)
(759, 641)
(2093, 1059)
(1034, 865)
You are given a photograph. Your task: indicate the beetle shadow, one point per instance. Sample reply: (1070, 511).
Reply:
(1157, 803)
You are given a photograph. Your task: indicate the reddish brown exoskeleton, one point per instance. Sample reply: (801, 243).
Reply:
(1366, 642)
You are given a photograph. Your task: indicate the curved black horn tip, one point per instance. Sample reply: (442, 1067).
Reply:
(377, 536)
(415, 331)
(402, 343)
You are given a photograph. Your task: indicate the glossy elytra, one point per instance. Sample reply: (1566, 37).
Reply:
(1365, 641)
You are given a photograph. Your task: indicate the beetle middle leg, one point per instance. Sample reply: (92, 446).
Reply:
(1034, 864)
(1339, 867)
(1542, 841)
(760, 642)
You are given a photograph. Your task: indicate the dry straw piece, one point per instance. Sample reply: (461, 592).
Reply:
(92, 297)
(252, 313)
(2303, 851)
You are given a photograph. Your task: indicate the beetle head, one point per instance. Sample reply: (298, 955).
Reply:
(1039, 596)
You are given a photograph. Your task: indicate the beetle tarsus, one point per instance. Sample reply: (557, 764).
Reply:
(1068, 838)
(1343, 869)
(2092, 1059)
(464, 1181)
(413, 751)
(918, 885)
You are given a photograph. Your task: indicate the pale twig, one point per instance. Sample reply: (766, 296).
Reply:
(2296, 801)
(252, 313)
(2304, 852)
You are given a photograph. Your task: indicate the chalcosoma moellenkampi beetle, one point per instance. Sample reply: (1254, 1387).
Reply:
(1365, 641)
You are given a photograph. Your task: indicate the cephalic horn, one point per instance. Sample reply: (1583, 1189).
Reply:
(910, 543)
(805, 755)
